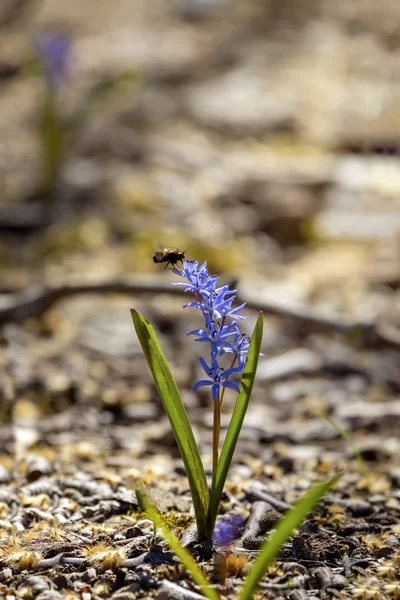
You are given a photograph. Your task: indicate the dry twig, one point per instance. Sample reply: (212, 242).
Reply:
(35, 301)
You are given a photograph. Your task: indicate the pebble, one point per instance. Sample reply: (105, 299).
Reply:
(37, 467)
(384, 552)
(253, 542)
(359, 508)
(395, 477)
(269, 520)
(326, 578)
(298, 595)
(4, 475)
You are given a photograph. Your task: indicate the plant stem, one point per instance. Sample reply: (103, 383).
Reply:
(52, 139)
(223, 389)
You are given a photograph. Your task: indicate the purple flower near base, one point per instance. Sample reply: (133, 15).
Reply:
(216, 305)
(54, 51)
(227, 530)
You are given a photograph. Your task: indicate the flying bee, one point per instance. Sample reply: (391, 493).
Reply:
(172, 256)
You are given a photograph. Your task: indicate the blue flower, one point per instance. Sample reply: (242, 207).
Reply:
(199, 279)
(216, 304)
(240, 349)
(227, 311)
(218, 378)
(214, 333)
(214, 301)
(227, 530)
(54, 51)
(188, 267)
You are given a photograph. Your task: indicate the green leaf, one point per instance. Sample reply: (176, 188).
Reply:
(178, 418)
(236, 421)
(184, 556)
(270, 548)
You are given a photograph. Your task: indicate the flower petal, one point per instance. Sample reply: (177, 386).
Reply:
(195, 305)
(201, 383)
(215, 391)
(231, 384)
(239, 308)
(229, 372)
(204, 365)
(197, 332)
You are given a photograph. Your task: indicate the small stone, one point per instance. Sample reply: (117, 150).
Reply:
(37, 467)
(384, 552)
(298, 595)
(395, 477)
(4, 475)
(359, 508)
(253, 542)
(268, 521)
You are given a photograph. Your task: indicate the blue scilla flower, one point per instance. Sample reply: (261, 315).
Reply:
(199, 280)
(54, 50)
(227, 530)
(226, 310)
(188, 267)
(218, 378)
(240, 348)
(216, 304)
(214, 333)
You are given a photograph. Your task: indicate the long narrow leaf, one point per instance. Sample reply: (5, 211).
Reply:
(270, 548)
(184, 556)
(178, 418)
(236, 421)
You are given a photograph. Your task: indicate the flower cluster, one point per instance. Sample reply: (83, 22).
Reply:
(216, 304)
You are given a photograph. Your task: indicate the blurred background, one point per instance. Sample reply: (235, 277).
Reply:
(261, 136)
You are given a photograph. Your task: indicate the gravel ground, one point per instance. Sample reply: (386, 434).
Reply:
(263, 138)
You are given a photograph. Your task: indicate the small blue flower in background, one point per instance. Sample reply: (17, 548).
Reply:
(216, 305)
(54, 50)
(227, 529)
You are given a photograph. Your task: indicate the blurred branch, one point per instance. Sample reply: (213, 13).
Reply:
(24, 217)
(35, 301)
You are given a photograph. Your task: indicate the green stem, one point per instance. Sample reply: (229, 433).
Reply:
(223, 389)
(52, 139)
